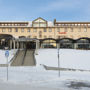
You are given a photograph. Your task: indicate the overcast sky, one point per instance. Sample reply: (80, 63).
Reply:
(28, 10)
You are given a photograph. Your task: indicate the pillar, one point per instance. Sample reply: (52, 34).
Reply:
(1, 41)
(14, 43)
(22, 45)
(58, 45)
(75, 45)
(10, 44)
(17, 45)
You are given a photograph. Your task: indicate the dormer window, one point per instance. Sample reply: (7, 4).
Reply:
(39, 22)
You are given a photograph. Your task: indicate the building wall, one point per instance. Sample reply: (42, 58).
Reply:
(51, 32)
(40, 28)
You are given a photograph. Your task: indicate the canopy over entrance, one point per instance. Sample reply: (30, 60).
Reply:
(26, 43)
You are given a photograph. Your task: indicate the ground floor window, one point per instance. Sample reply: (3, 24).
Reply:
(49, 44)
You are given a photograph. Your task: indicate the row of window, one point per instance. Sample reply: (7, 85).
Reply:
(41, 36)
(72, 24)
(16, 30)
(72, 30)
(44, 30)
(58, 37)
(13, 24)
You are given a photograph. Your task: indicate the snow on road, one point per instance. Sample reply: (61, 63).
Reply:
(39, 77)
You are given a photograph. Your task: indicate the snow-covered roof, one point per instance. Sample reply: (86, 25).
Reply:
(50, 24)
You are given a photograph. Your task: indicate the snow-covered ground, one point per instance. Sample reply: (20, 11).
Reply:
(37, 78)
(69, 58)
(3, 58)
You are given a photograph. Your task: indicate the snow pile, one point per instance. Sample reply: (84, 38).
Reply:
(3, 58)
(69, 58)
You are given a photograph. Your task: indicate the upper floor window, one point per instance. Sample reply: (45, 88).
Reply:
(3, 30)
(50, 30)
(45, 30)
(22, 30)
(28, 30)
(9, 30)
(29, 36)
(65, 30)
(58, 29)
(79, 30)
(35, 30)
(16, 29)
(35, 36)
(71, 29)
(45, 36)
(85, 29)
(50, 36)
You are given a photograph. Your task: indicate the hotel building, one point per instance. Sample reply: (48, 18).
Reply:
(40, 33)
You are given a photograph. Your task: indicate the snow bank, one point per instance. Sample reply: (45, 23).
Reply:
(69, 58)
(3, 58)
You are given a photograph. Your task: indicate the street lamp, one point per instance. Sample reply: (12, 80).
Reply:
(7, 55)
(58, 47)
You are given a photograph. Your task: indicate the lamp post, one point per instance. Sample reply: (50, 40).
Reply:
(7, 55)
(58, 61)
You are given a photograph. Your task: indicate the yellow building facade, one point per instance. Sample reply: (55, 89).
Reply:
(41, 29)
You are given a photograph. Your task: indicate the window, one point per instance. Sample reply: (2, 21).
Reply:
(50, 36)
(35, 36)
(28, 30)
(45, 30)
(50, 30)
(65, 30)
(9, 30)
(16, 29)
(45, 36)
(79, 30)
(85, 29)
(58, 29)
(22, 30)
(29, 36)
(39, 22)
(35, 30)
(40, 34)
(3, 30)
(71, 29)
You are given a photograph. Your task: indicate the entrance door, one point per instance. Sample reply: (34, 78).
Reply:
(31, 45)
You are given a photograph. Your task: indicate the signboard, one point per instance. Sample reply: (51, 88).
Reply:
(62, 32)
(7, 53)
